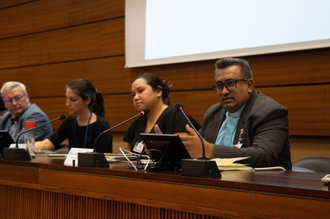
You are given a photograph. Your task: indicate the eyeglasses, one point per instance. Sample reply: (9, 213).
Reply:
(229, 84)
(17, 98)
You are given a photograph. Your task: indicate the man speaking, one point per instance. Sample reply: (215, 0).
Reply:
(244, 123)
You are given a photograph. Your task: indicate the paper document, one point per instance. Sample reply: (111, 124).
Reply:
(119, 157)
(73, 155)
(24, 146)
(269, 168)
(229, 163)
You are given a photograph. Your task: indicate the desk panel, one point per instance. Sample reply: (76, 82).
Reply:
(117, 192)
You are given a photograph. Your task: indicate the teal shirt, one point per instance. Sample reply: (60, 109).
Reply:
(227, 131)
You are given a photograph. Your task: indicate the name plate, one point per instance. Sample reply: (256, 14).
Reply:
(73, 155)
(24, 146)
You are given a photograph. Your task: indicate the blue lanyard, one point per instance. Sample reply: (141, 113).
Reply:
(85, 133)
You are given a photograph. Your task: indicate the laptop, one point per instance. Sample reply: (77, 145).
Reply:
(168, 149)
(5, 140)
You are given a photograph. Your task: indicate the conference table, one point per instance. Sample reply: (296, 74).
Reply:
(45, 188)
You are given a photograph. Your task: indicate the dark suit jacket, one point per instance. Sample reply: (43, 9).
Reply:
(265, 137)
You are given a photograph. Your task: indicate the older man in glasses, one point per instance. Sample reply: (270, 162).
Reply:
(244, 123)
(19, 108)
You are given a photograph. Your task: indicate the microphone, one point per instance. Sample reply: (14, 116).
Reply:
(179, 107)
(98, 159)
(61, 117)
(21, 153)
(143, 112)
(202, 167)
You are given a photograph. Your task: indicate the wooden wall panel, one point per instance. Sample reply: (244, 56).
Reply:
(300, 146)
(80, 42)
(110, 77)
(53, 107)
(300, 67)
(9, 53)
(195, 103)
(309, 107)
(107, 75)
(118, 109)
(291, 68)
(52, 14)
(11, 3)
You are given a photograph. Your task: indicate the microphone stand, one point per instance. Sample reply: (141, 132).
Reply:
(199, 136)
(98, 159)
(144, 112)
(23, 153)
(202, 167)
(58, 118)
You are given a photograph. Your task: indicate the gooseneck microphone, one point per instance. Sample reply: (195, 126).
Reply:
(98, 159)
(179, 107)
(203, 167)
(17, 153)
(143, 112)
(61, 117)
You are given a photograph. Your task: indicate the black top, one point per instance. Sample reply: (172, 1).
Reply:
(169, 122)
(69, 129)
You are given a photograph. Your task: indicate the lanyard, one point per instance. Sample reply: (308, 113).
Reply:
(85, 133)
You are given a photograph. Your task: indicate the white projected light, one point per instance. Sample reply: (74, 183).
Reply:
(173, 31)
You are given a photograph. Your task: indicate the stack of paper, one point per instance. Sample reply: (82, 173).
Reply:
(229, 163)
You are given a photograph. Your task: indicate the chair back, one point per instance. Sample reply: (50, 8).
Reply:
(316, 164)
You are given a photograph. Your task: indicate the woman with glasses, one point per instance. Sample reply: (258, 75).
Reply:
(86, 123)
(149, 91)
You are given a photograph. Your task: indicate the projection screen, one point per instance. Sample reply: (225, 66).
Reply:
(174, 31)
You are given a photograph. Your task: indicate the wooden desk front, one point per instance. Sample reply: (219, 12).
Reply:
(45, 188)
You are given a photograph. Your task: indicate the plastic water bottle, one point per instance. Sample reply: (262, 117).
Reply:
(29, 137)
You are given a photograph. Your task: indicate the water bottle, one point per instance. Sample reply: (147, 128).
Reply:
(29, 137)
